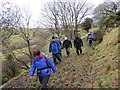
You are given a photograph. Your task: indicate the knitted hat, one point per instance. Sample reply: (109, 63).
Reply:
(53, 37)
(65, 38)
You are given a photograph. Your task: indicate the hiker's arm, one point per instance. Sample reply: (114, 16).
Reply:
(71, 44)
(63, 43)
(32, 70)
(51, 64)
(59, 47)
(81, 42)
(60, 43)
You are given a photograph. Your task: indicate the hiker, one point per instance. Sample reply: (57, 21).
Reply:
(60, 43)
(93, 35)
(78, 43)
(90, 38)
(67, 44)
(43, 65)
(55, 48)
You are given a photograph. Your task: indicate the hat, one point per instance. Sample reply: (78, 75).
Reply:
(65, 38)
(53, 37)
(89, 33)
(56, 37)
(76, 35)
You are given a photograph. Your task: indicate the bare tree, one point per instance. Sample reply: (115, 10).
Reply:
(65, 16)
(72, 13)
(26, 33)
(13, 19)
(9, 17)
(80, 10)
(51, 19)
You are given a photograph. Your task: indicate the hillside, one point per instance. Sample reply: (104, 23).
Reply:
(97, 67)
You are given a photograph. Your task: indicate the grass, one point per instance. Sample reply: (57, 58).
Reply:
(19, 42)
(106, 59)
(94, 29)
(96, 68)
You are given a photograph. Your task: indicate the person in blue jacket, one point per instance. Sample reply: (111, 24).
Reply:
(55, 48)
(43, 65)
(60, 43)
(90, 38)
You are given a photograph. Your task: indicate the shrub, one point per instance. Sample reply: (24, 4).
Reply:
(99, 36)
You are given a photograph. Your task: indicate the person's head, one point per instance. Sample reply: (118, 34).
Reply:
(89, 33)
(65, 38)
(56, 38)
(53, 37)
(76, 36)
(36, 52)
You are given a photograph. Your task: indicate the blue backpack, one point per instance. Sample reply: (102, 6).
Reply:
(54, 47)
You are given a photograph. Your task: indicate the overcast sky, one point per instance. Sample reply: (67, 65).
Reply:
(35, 6)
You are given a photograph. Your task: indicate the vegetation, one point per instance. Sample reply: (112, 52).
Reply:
(107, 14)
(88, 70)
(87, 24)
(64, 17)
(97, 67)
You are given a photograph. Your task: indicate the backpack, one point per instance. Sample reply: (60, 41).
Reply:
(90, 37)
(45, 58)
(78, 41)
(55, 46)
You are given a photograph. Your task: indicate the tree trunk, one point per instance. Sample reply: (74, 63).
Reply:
(29, 49)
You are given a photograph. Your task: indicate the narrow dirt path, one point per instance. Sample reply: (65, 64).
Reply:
(73, 71)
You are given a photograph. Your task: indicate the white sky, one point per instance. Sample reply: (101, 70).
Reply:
(35, 6)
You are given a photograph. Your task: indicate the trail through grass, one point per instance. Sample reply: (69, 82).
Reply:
(73, 71)
(95, 68)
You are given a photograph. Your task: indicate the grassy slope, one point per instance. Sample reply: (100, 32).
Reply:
(106, 60)
(95, 68)
(20, 43)
(17, 41)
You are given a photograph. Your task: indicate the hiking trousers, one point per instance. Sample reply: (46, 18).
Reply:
(67, 50)
(44, 80)
(56, 56)
(60, 54)
(90, 42)
(79, 49)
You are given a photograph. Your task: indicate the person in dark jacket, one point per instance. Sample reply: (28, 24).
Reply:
(43, 64)
(67, 44)
(55, 48)
(78, 43)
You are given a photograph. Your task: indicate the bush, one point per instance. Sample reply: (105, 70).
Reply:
(99, 36)
(5, 79)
